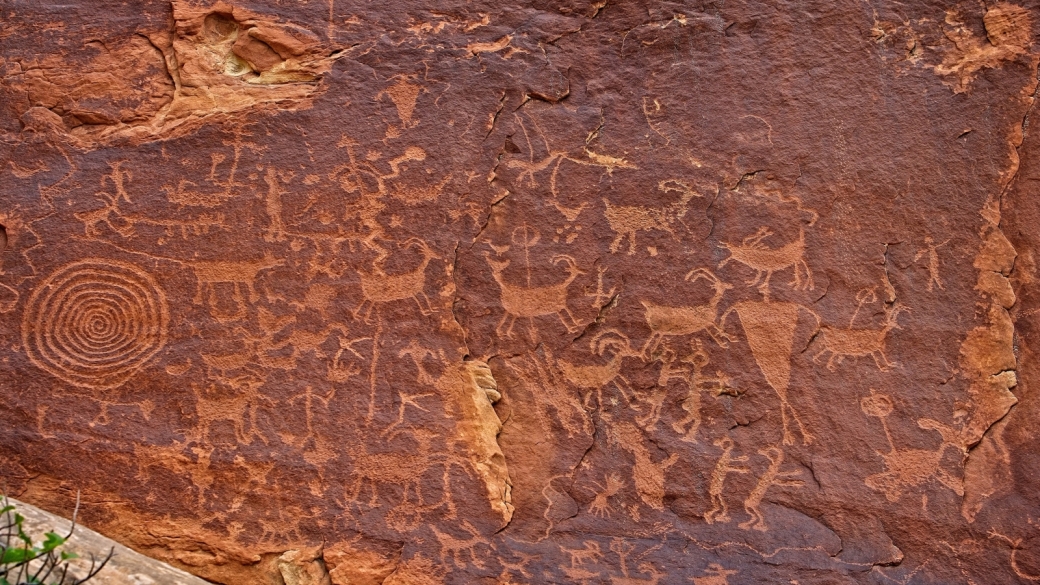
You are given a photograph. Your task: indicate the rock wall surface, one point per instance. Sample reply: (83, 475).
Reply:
(551, 292)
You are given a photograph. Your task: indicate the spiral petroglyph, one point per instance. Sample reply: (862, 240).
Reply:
(95, 322)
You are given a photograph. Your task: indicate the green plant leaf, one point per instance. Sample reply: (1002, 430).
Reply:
(66, 556)
(15, 555)
(52, 541)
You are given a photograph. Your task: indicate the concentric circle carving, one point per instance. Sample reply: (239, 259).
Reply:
(94, 323)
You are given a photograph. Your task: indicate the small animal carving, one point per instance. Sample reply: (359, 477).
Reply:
(666, 321)
(627, 221)
(534, 301)
(858, 342)
(379, 287)
(765, 261)
(457, 548)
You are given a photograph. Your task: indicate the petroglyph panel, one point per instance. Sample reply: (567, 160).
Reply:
(569, 292)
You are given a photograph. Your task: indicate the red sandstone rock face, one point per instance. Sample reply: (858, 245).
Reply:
(412, 292)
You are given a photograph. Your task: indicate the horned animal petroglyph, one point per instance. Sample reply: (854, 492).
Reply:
(534, 301)
(667, 321)
(379, 287)
(765, 261)
(852, 342)
(596, 377)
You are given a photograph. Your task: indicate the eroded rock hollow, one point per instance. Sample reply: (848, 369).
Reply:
(331, 292)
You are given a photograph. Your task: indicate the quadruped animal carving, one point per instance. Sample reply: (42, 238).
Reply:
(404, 469)
(534, 301)
(765, 261)
(239, 274)
(627, 221)
(598, 376)
(379, 287)
(666, 321)
(859, 342)
(909, 468)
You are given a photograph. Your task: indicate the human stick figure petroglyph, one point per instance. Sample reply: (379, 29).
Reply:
(623, 550)
(765, 261)
(931, 250)
(627, 221)
(771, 477)
(859, 342)
(94, 323)
(667, 321)
(379, 287)
(719, 511)
(909, 468)
(696, 382)
(239, 274)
